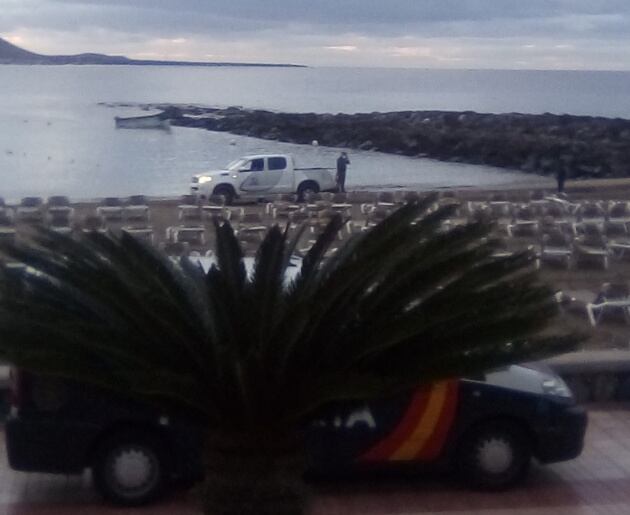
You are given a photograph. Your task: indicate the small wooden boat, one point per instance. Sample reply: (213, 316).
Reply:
(153, 121)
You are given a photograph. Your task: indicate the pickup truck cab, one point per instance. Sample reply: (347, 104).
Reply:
(255, 176)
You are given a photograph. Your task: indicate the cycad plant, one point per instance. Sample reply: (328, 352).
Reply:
(251, 357)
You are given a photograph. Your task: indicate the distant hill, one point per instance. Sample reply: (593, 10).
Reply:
(12, 54)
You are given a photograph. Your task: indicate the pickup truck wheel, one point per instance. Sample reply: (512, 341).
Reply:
(227, 192)
(494, 456)
(305, 189)
(129, 469)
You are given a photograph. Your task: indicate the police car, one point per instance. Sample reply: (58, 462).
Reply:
(487, 429)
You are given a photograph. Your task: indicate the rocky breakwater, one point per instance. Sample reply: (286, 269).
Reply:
(586, 147)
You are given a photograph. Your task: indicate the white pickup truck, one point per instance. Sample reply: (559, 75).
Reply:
(255, 176)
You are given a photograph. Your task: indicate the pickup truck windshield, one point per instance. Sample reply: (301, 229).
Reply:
(237, 164)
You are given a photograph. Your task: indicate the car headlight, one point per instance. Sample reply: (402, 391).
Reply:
(556, 387)
(203, 180)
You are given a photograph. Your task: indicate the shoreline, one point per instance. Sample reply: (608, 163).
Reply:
(602, 189)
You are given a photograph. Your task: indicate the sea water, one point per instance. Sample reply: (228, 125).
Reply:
(57, 138)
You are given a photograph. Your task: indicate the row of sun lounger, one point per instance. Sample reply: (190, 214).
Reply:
(570, 234)
(563, 230)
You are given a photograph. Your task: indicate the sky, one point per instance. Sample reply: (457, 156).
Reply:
(495, 34)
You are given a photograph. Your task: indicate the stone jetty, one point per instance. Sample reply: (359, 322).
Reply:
(584, 146)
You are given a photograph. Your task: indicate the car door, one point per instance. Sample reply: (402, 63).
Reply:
(412, 427)
(250, 175)
(283, 176)
(266, 174)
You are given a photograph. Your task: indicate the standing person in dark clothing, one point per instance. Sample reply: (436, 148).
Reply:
(342, 164)
(561, 175)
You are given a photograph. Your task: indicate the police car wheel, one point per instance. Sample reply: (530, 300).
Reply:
(494, 456)
(129, 469)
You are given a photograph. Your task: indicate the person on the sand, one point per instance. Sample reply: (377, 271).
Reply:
(561, 176)
(342, 165)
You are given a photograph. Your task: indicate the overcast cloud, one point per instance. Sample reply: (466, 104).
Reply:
(542, 34)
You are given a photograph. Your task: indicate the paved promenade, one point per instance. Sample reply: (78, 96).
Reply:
(598, 483)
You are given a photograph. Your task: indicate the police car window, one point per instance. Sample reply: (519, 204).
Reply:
(277, 163)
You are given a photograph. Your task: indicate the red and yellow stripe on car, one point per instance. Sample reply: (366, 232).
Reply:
(422, 431)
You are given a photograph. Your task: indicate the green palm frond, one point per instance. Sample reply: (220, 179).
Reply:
(403, 303)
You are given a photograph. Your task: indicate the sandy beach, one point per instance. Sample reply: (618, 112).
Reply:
(579, 285)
